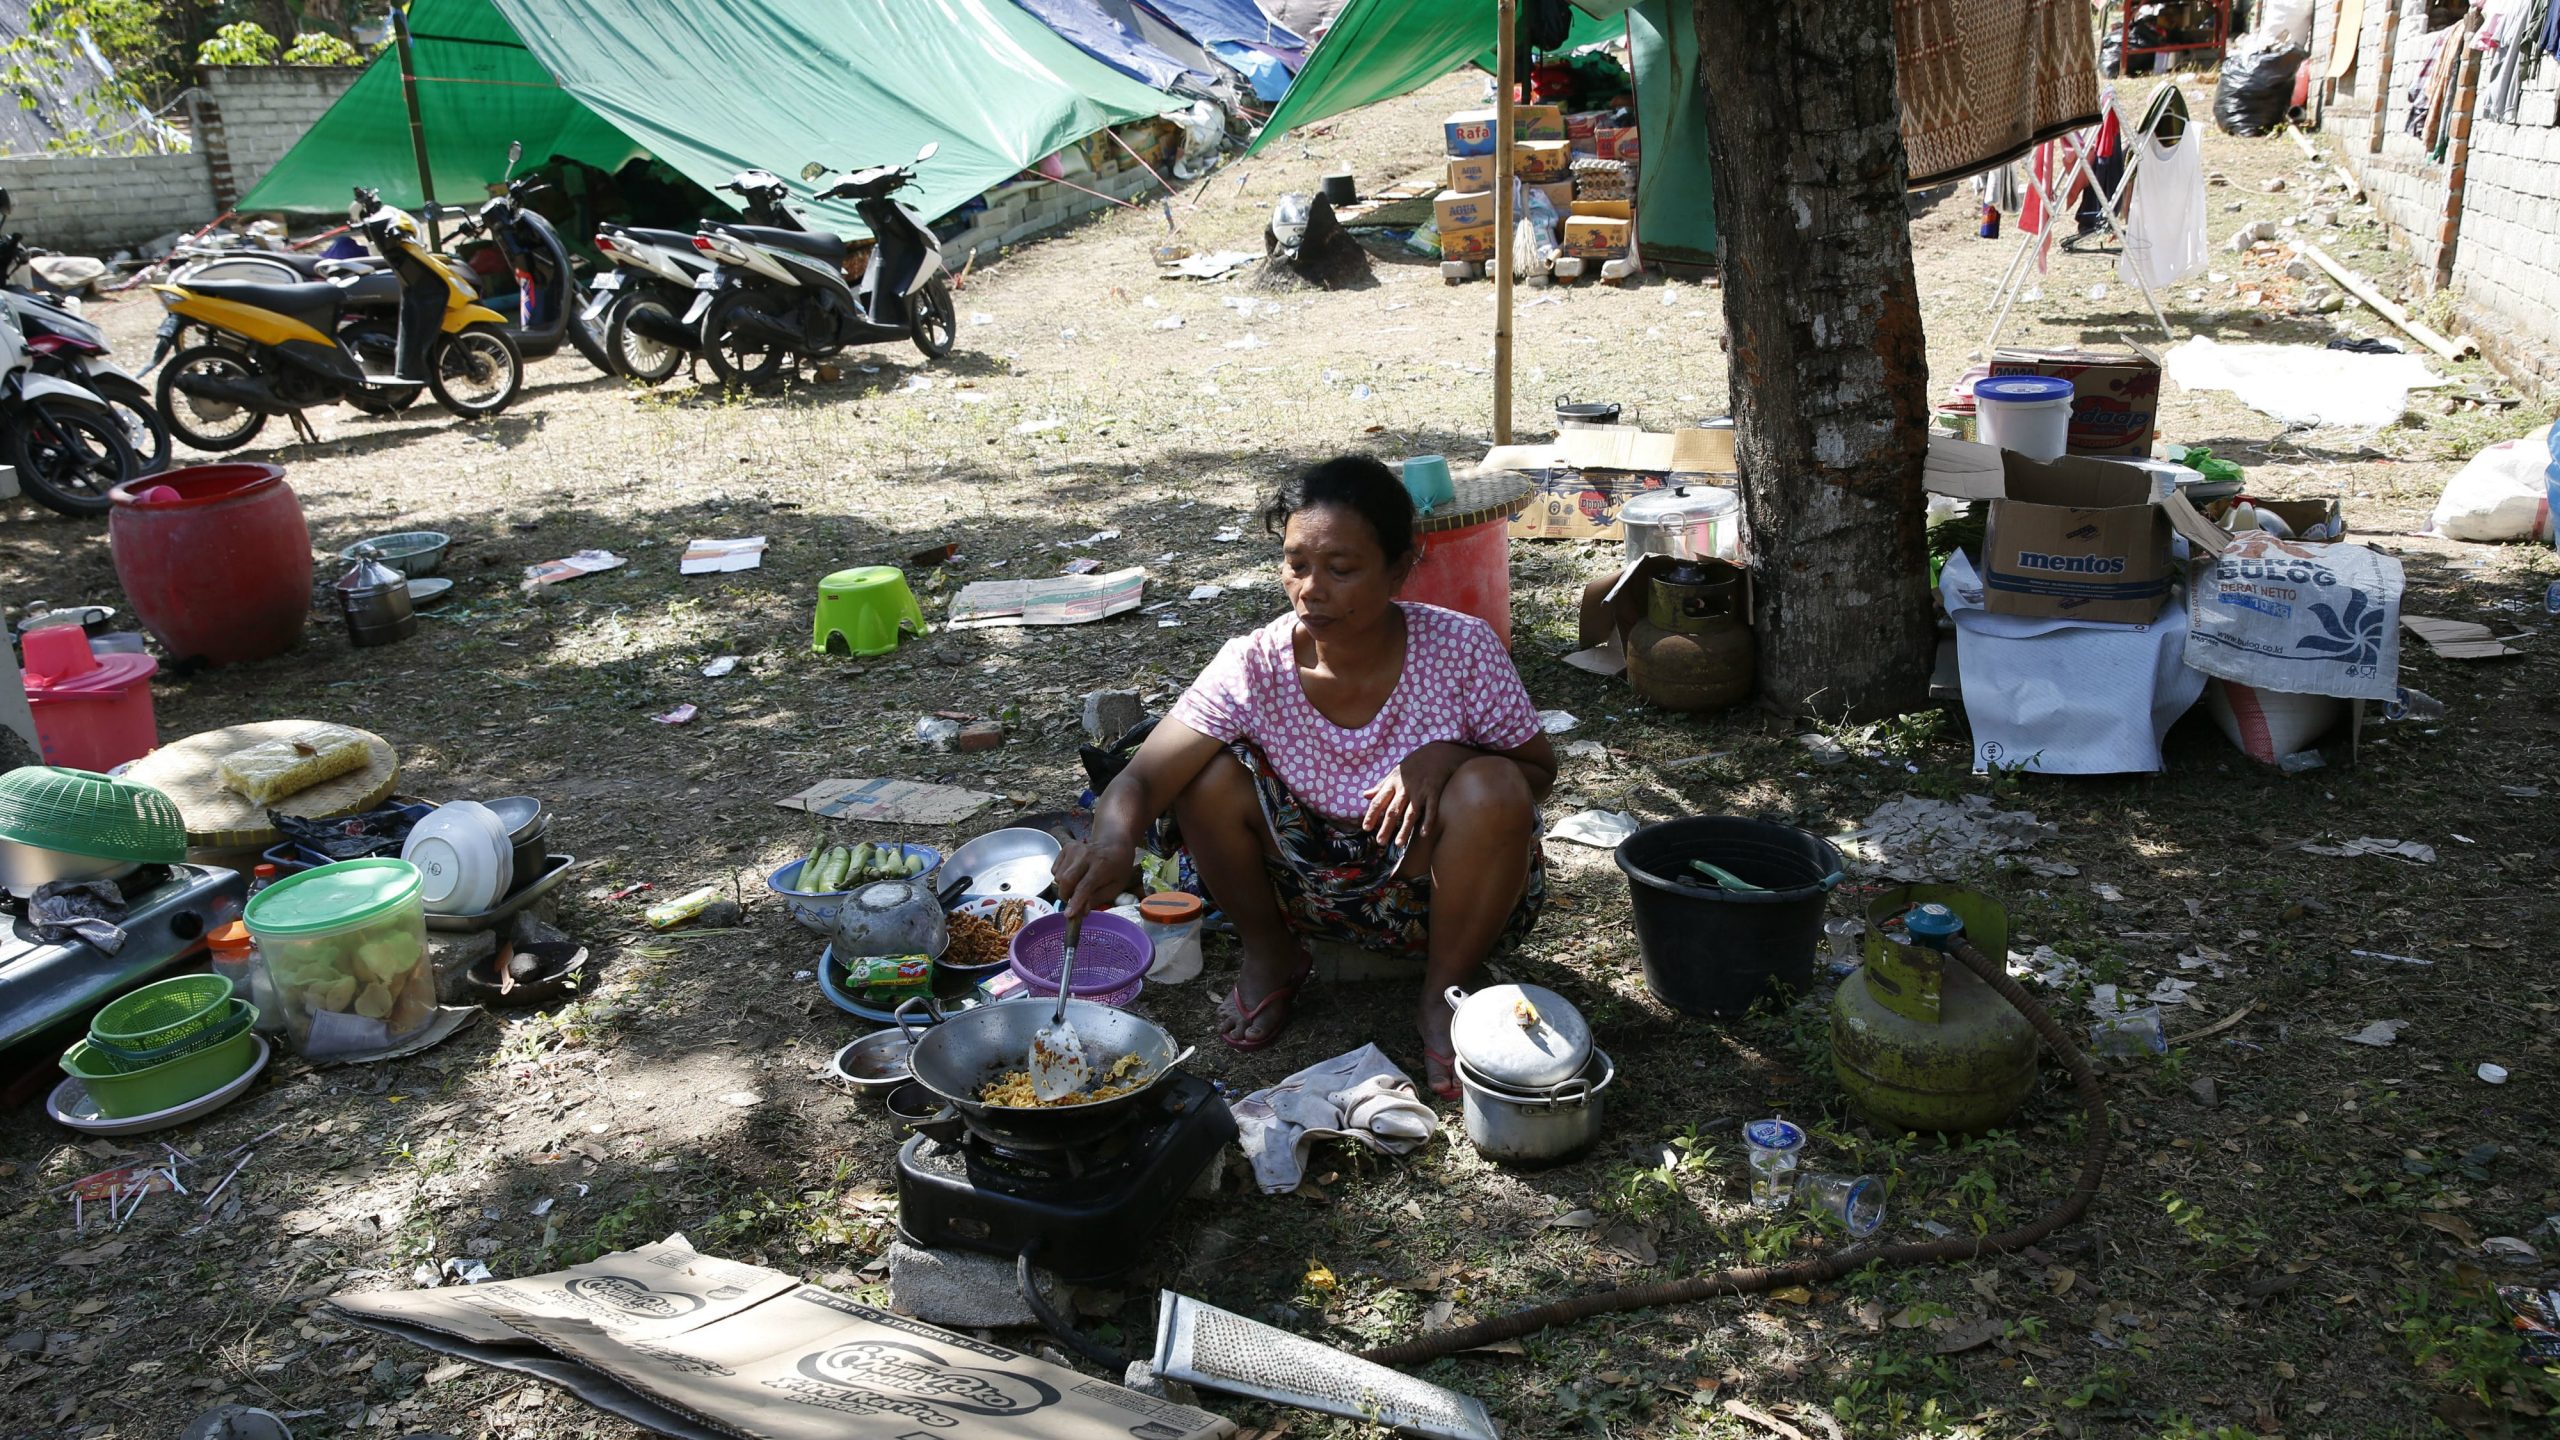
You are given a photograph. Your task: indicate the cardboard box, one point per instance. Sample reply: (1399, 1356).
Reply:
(685, 1344)
(1559, 195)
(1537, 122)
(1474, 243)
(1539, 161)
(2115, 395)
(1604, 209)
(1469, 132)
(1585, 477)
(1462, 210)
(1617, 144)
(1471, 172)
(2078, 539)
(1582, 125)
(1596, 237)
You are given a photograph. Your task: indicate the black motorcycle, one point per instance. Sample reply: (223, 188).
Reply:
(782, 294)
(66, 345)
(649, 278)
(538, 269)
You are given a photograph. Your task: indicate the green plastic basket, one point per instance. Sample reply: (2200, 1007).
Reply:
(159, 1015)
(235, 1016)
(121, 1095)
(79, 812)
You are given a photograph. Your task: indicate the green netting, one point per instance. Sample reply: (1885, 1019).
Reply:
(713, 87)
(1379, 49)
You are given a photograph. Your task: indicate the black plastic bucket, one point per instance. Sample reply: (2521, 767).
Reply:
(1711, 951)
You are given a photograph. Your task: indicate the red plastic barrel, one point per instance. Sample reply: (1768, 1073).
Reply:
(1467, 569)
(221, 571)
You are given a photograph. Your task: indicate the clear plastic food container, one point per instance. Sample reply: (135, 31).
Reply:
(345, 951)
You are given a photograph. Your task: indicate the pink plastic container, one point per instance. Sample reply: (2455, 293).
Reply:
(92, 712)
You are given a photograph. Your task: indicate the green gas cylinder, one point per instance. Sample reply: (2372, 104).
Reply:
(1917, 1040)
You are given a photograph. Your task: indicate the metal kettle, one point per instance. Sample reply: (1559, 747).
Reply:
(373, 599)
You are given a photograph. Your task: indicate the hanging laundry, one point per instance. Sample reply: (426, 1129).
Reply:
(2164, 236)
(1982, 81)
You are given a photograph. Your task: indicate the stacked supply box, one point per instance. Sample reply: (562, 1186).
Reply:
(1464, 212)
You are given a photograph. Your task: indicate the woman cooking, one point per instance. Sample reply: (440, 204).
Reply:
(1361, 769)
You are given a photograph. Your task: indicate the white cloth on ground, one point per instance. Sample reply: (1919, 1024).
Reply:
(1361, 1097)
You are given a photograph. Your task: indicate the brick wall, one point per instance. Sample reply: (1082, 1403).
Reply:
(250, 115)
(94, 205)
(2480, 220)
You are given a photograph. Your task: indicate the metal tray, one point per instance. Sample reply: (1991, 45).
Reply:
(553, 867)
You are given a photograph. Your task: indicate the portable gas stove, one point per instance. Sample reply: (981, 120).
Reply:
(47, 987)
(1088, 1209)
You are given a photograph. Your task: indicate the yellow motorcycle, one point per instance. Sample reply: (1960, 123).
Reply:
(280, 348)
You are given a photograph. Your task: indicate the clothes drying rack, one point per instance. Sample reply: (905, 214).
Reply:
(2165, 119)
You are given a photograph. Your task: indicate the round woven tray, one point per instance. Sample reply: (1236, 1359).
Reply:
(1482, 495)
(220, 819)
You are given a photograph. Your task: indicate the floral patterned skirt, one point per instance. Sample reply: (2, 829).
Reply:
(1338, 882)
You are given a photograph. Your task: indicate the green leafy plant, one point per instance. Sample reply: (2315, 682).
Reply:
(242, 42)
(314, 47)
(44, 67)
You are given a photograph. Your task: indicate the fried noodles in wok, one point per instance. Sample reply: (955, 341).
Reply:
(1014, 1090)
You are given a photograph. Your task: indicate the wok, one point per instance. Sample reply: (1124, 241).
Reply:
(959, 1057)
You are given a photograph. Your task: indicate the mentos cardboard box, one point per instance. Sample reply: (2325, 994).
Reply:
(1595, 237)
(1618, 144)
(1537, 122)
(1462, 209)
(2077, 539)
(1474, 243)
(2115, 395)
(1471, 172)
(1539, 161)
(1469, 132)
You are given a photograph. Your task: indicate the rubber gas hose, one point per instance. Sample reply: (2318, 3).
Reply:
(1821, 1269)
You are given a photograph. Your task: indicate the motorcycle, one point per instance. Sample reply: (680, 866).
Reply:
(538, 268)
(782, 293)
(280, 349)
(649, 279)
(67, 447)
(62, 344)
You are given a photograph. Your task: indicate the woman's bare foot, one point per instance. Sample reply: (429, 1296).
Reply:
(1439, 1064)
(1265, 995)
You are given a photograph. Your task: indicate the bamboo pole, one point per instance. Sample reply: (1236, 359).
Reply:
(2363, 290)
(417, 122)
(1506, 62)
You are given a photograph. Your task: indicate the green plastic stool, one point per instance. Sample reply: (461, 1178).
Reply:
(866, 608)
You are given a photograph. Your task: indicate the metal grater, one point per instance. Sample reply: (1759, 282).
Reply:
(1201, 1344)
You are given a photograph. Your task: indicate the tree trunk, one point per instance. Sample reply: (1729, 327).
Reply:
(1829, 371)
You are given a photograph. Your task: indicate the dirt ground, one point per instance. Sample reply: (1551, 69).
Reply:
(2290, 1237)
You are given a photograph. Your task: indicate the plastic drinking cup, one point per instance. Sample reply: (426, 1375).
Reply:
(1426, 479)
(1856, 1201)
(1775, 1145)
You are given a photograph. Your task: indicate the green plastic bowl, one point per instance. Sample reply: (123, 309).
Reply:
(190, 1077)
(235, 1016)
(134, 1026)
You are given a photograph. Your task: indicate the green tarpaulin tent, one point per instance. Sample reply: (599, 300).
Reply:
(1379, 49)
(713, 87)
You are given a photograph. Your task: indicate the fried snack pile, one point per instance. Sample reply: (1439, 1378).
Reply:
(977, 941)
(1014, 1090)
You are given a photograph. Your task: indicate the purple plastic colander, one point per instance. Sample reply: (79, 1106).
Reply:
(1112, 956)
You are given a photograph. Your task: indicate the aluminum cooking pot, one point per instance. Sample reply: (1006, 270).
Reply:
(1519, 1037)
(1544, 1128)
(971, 1048)
(891, 917)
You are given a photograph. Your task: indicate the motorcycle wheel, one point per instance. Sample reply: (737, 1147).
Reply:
(68, 457)
(376, 346)
(634, 355)
(212, 426)
(590, 339)
(937, 323)
(476, 373)
(740, 362)
(143, 427)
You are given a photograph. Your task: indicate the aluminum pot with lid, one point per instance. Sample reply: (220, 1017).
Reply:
(1547, 1128)
(1519, 1037)
(891, 917)
(1685, 522)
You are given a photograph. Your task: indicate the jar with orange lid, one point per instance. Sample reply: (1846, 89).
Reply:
(1173, 921)
(236, 959)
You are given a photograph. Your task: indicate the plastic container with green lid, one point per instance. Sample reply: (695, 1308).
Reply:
(345, 950)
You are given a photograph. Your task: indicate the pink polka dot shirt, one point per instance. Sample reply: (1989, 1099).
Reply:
(1458, 684)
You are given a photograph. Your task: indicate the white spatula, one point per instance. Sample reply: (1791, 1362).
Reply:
(1058, 1066)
